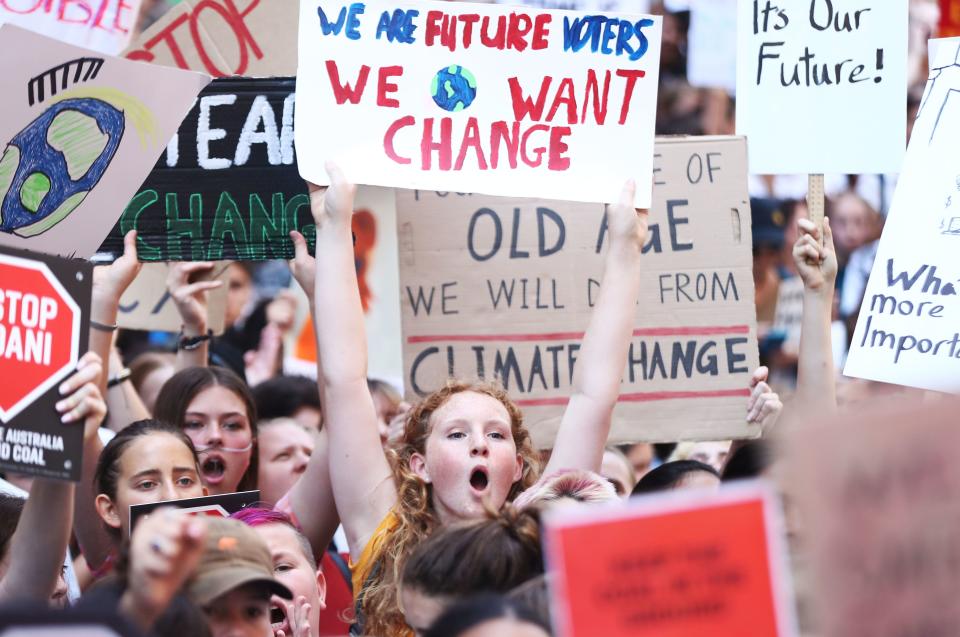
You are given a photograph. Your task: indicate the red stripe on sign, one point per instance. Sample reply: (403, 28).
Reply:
(644, 397)
(576, 336)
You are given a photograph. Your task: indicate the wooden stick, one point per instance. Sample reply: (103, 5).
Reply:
(815, 203)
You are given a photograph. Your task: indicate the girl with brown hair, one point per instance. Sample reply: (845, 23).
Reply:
(464, 448)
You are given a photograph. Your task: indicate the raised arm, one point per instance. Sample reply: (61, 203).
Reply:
(190, 298)
(311, 498)
(603, 355)
(359, 471)
(817, 264)
(39, 544)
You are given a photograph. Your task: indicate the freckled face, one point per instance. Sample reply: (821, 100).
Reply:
(470, 457)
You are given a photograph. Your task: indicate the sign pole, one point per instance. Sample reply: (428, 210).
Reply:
(815, 201)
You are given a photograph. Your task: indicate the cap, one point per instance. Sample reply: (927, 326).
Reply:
(234, 556)
(769, 221)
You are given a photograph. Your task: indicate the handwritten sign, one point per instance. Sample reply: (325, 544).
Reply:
(807, 72)
(105, 26)
(478, 98)
(907, 333)
(227, 186)
(44, 320)
(504, 288)
(635, 6)
(146, 305)
(671, 566)
(80, 132)
(252, 38)
(876, 492)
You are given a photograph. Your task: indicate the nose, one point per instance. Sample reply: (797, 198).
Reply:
(213, 434)
(168, 491)
(478, 446)
(301, 465)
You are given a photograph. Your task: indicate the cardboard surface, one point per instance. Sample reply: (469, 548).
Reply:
(671, 565)
(146, 305)
(215, 505)
(875, 492)
(105, 26)
(399, 99)
(80, 133)
(44, 323)
(808, 71)
(907, 331)
(503, 288)
(252, 38)
(227, 186)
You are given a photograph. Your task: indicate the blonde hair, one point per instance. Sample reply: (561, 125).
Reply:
(416, 518)
(578, 484)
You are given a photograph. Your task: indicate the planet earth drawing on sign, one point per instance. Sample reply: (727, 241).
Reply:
(49, 167)
(454, 88)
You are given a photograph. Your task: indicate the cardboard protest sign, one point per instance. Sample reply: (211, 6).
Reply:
(252, 38)
(227, 186)
(80, 133)
(146, 305)
(44, 321)
(105, 26)
(687, 563)
(216, 505)
(503, 288)
(807, 72)
(875, 489)
(906, 333)
(478, 98)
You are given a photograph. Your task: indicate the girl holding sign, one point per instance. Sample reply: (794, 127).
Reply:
(464, 448)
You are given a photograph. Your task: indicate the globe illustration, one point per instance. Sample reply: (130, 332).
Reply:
(454, 88)
(49, 167)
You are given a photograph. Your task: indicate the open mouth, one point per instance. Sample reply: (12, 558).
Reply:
(213, 468)
(479, 479)
(278, 620)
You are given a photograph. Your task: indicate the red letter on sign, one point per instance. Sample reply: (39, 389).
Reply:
(343, 92)
(403, 122)
(384, 87)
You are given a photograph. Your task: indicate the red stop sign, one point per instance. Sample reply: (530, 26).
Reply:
(39, 329)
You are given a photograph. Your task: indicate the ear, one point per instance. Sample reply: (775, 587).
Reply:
(322, 589)
(107, 511)
(518, 472)
(418, 464)
(206, 491)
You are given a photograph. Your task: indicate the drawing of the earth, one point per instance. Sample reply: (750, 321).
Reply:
(454, 88)
(49, 167)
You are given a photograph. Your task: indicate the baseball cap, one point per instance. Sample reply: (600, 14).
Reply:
(234, 556)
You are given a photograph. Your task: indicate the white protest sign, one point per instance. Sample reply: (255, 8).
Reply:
(712, 44)
(821, 85)
(105, 26)
(907, 332)
(478, 98)
(633, 6)
(80, 132)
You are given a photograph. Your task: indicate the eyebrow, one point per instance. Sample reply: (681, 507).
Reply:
(204, 414)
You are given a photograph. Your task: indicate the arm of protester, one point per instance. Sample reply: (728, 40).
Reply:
(603, 355)
(164, 551)
(817, 265)
(39, 544)
(190, 297)
(109, 284)
(364, 497)
(123, 402)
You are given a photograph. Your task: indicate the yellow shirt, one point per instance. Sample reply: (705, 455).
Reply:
(363, 567)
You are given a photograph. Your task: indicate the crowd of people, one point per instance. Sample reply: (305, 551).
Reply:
(378, 517)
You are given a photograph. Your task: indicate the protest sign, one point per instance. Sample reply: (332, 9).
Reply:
(712, 44)
(478, 98)
(504, 288)
(624, 6)
(44, 320)
(227, 186)
(252, 38)
(105, 26)
(875, 489)
(949, 19)
(807, 72)
(687, 563)
(24, 620)
(147, 305)
(788, 316)
(81, 134)
(216, 505)
(907, 331)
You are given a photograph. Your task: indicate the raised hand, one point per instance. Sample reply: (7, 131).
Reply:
(111, 281)
(627, 225)
(332, 206)
(83, 399)
(297, 617)
(191, 297)
(763, 406)
(817, 264)
(302, 265)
